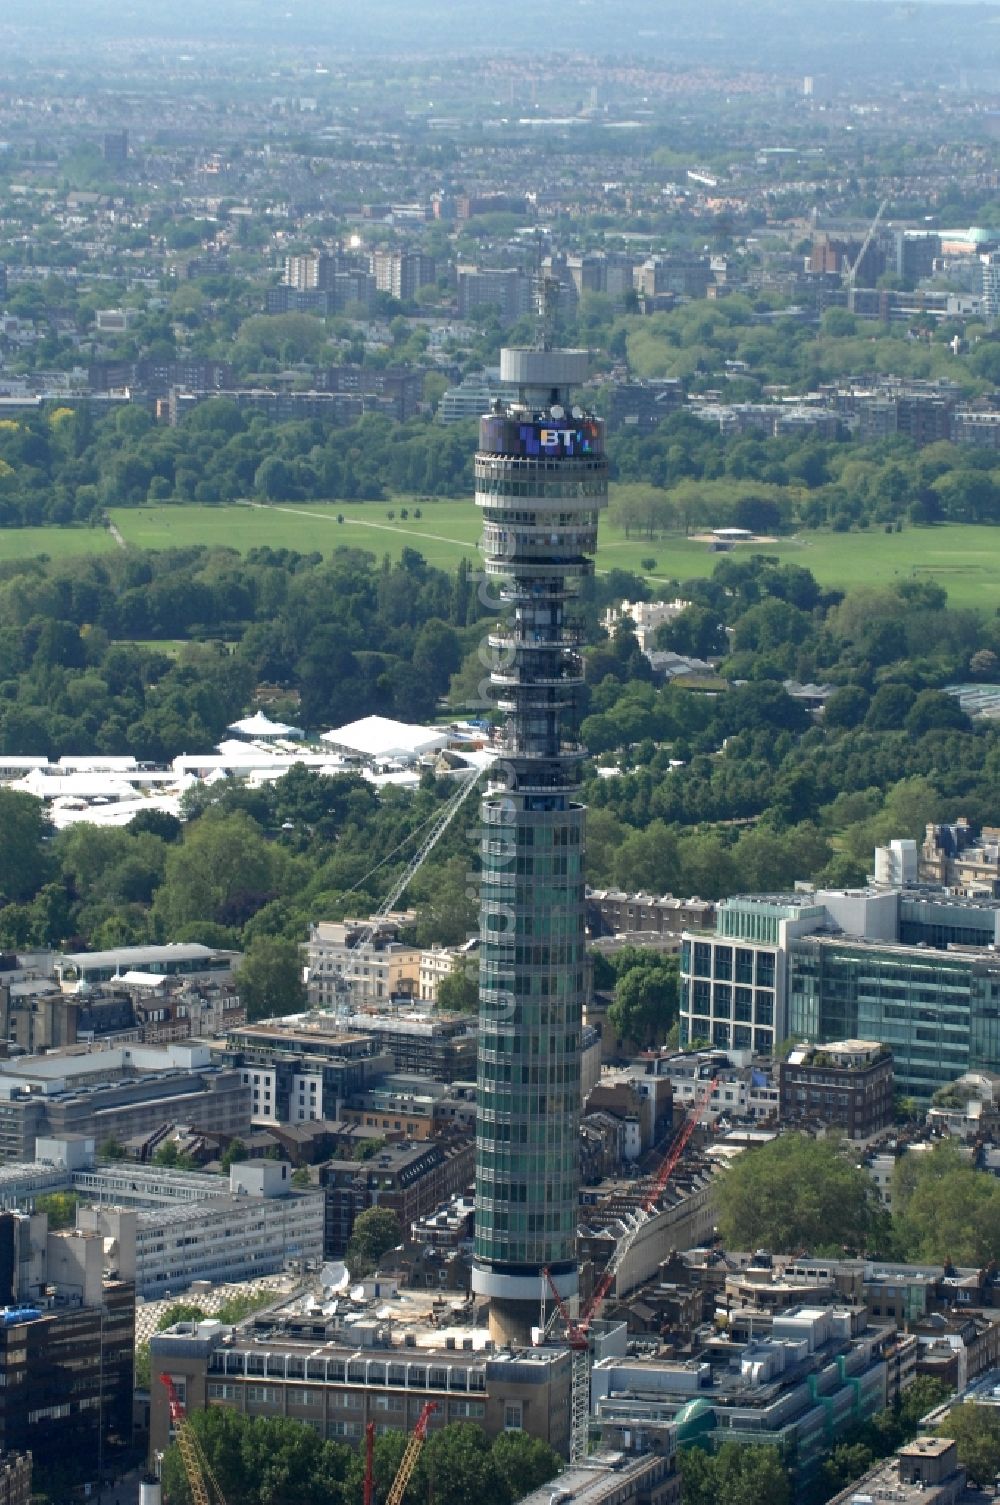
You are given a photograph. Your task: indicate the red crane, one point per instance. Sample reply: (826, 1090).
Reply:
(369, 1494)
(578, 1328)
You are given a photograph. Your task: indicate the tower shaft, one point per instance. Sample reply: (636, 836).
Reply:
(541, 481)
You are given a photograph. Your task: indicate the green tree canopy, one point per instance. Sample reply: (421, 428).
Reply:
(735, 1475)
(458, 992)
(799, 1193)
(375, 1230)
(646, 999)
(976, 1429)
(270, 977)
(943, 1209)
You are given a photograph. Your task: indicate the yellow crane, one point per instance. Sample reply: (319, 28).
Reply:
(409, 1462)
(200, 1474)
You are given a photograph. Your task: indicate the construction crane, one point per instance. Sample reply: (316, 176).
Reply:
(438, 827)
(200, 1474)
(413, 1450)
(369, 1494)
(578, 1328)
(852, 272)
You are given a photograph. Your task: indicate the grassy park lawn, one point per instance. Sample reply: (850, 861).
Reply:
(964, 558)
(58, 543)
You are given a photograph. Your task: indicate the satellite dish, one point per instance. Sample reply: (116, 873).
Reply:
(577, 413)
(557, 411)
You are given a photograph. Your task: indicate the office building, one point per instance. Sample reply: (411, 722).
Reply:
(612, 1478)
(258, 1224)
(15, 1479)
(955, 856)
(410, 1180)
(925, 1471)
(301, 1070)
(162, 1228)
(914, 968)
(541, 481)
(916, 251)
(991, 285)
(178, 959)
(67, 1340)
(381, 1363)
(342, 971)
(819, 1372)
(117, 1093)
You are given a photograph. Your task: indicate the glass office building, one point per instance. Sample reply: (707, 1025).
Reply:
(938, 1011)
(917, 969)
(541, 481)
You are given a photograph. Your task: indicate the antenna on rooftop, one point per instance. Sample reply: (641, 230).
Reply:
(546, 301)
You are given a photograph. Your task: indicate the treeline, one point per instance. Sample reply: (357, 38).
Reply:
(735, 786)
(278, 1461)
(802, 1193)
(67, 465)
(694, 477)
(247, 869)
(82, 668)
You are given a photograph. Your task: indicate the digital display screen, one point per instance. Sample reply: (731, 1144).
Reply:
(545, 438)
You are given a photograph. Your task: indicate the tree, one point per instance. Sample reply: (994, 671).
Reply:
(735, 1475)
(458, 992)
(799, 1193)
(270, 978)
(523, 1463)
(890, 706)
(976, 1429)
(944, 1209)
(375, 1231)
(24, 862)
(112, 1149)
(934, 711)
(646, 1000)
(447, 908)
(223, 871)
(181, 1311)
(59, 1206)
(235, 1150)
(301, 1178)
(269, 1460)
(846, 708)
(170, 1156)
(460, 1466)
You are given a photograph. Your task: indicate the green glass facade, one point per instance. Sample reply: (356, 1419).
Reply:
(939, 1011)
(541, 478)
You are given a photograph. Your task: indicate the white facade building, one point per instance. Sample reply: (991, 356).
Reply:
(259, 1227)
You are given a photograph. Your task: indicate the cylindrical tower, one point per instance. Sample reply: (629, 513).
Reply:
(541, 481)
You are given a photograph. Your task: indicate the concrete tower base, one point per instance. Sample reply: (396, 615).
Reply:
(511, 1322)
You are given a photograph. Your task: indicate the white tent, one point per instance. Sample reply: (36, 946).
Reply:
(380, 739)
(259, 725)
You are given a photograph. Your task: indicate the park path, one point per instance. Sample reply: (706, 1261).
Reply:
(461, 543)
(116, 534)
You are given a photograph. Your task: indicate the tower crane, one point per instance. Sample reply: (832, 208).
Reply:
(852, 273)
(438, 827)
(369, 1494)
(200, 1474)
(578, 1328)
(413, 1450)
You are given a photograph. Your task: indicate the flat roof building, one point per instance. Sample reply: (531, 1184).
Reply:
(379, 1362)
